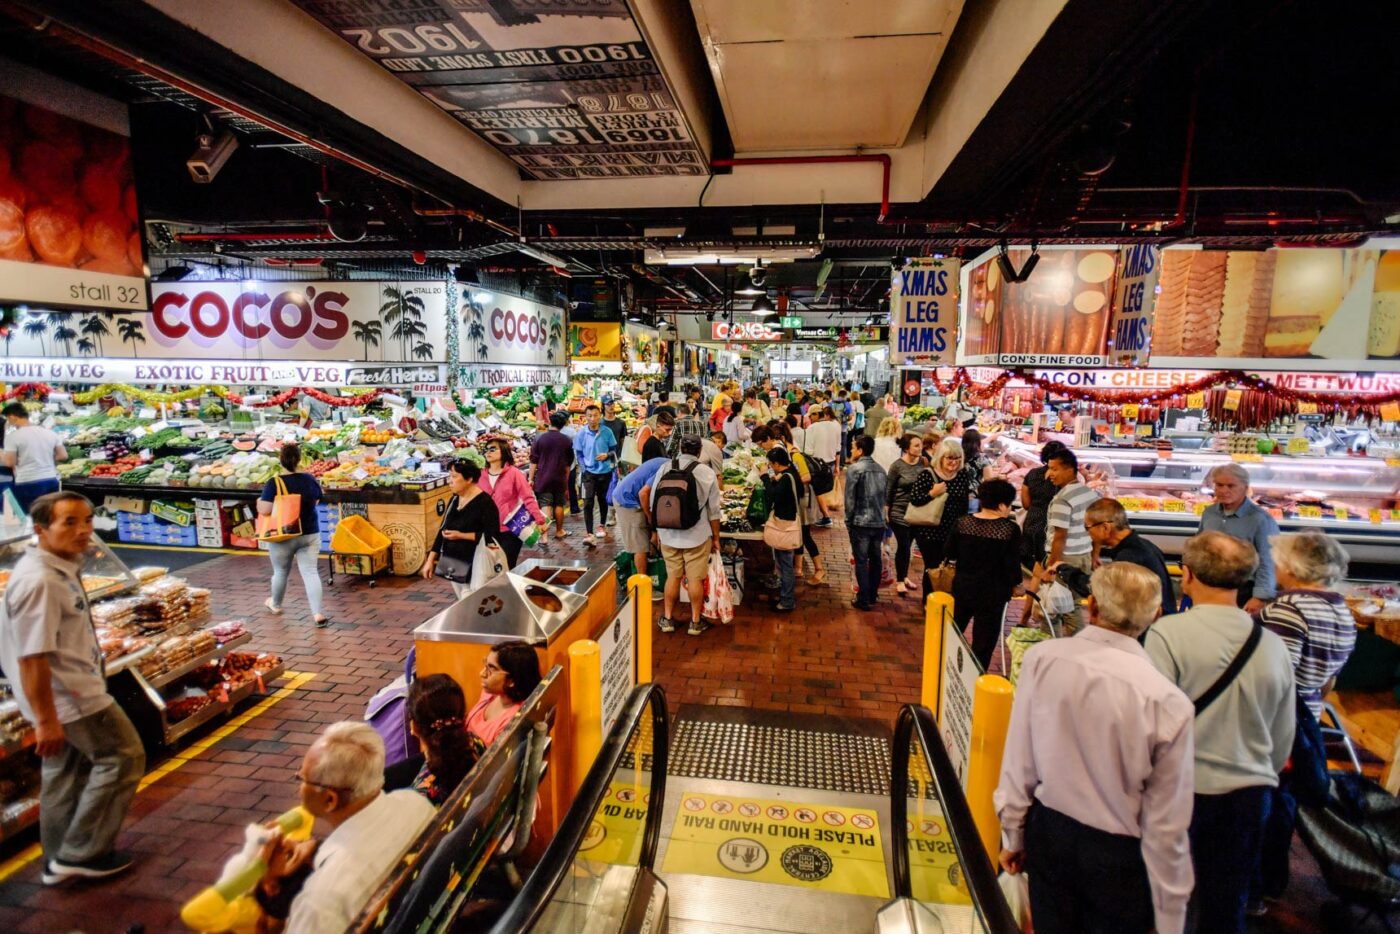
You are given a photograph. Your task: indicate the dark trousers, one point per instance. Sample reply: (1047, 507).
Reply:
(511, 544)
(595, 490)
(27, 493)
(905, 537)
(865, 548)
(809, 543)
(1225, 834)
(984, 612)
(1280, 818)
(573, 490)
(1084, 880)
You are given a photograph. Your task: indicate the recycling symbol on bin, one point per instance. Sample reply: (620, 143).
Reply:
(490, 605)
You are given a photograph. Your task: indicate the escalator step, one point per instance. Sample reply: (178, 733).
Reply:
(796, 758)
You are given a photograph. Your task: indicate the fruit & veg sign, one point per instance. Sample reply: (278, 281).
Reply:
(924, 313)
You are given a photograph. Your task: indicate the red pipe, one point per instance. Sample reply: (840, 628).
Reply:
(1179, 219)
(251, 237)
(881, 158)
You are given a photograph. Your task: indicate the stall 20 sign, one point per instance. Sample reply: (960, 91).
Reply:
(924, 301)
(1130, 328)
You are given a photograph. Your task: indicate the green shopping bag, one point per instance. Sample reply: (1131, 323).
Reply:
(757, 512)
(627, 566)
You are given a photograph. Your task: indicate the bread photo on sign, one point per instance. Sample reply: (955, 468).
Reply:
(1383, 337)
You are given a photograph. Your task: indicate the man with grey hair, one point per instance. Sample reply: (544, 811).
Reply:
(1235, 514)
(1095, 791)
(341, 780)
(1114, 539)
(1241, 681)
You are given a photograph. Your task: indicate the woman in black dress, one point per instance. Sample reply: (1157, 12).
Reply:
(1036, 493)
(985, 547)
(471, 517)
(950, 475)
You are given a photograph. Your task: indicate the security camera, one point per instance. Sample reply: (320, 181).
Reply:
(209, 156)
(757, 275)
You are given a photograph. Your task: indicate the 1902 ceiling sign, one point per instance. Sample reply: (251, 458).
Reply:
(566, 88)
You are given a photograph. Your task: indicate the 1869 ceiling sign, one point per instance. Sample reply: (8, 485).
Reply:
(565, 88)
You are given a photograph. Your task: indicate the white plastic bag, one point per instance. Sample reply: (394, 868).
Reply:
(719, 599)
(488, 562)
(1017, 891)
(1056, 598)
(631, 454)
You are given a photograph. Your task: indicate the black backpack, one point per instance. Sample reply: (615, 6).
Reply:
(677, 502)
(823, 481)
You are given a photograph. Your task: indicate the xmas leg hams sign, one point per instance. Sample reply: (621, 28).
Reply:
(924, 313)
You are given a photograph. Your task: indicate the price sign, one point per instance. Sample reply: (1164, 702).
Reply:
(1307, 408)
(1201, 507)
(1247, 458)
(1144, 429)
(1130, 412)
(1375, 516)
(1173, 505)
(1392, 461)
(1195, 400)
(1395, 515)
(1131, 503)
(1232, 399)
(1341, 513)
(1390, 412)
(1297, 446)
(1310, 512)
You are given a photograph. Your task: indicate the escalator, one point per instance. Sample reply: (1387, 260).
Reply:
(734, 826)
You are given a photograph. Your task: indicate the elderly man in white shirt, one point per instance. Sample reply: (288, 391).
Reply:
(1096, 784)
(342, 777)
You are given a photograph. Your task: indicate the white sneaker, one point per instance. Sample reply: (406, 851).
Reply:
(589, 542)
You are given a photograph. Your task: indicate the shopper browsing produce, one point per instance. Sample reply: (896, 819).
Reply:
(32, 452)
(511, 493)
(340, 783)
(92, 756)
(688, 424)
(306, 547)
(471, 518)
(596, 450)
(1244, 724)
(655, 437)
(1102, 855)
(551, 457)
(1235, 514)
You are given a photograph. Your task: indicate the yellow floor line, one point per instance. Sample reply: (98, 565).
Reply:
(30, 853)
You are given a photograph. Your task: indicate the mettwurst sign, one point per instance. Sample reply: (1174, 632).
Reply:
(924, 313)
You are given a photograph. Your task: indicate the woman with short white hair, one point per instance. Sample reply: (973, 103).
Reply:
(952, 476)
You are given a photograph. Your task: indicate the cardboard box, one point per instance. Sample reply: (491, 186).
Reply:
(117, 504)
(176, 513)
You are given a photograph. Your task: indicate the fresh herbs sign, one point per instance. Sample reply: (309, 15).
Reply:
(924, 313)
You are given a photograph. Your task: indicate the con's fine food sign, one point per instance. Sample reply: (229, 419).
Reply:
(924, 306)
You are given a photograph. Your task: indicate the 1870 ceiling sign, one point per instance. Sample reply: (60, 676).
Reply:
(565, 88)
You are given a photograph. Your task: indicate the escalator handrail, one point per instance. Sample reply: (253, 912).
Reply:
(977, 868)
(554, 866)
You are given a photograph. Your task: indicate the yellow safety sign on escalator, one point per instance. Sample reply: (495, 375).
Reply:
(816, 846)
(615, 834)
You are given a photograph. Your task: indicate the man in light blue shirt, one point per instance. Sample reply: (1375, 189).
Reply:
(1238, 516)
(595, 450)
(631, 499)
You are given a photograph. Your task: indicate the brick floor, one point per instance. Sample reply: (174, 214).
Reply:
(823, 659)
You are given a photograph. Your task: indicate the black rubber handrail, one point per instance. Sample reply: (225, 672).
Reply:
(558, 859)
(917, 720)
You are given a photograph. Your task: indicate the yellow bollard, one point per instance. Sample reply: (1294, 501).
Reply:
(586, 706)
(991, 716)
(640, 586)
(938, 604)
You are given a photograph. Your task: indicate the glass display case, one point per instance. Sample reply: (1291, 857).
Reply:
(1354, 499)
(103, 574)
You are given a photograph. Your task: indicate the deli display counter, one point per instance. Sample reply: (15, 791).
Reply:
(1354, 499)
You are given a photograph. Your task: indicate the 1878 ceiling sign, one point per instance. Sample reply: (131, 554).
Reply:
(565, 88)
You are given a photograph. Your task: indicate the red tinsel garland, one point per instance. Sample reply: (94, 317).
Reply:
(282, 398)
(23, 389)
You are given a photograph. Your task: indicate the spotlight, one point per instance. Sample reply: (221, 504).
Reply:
(1009, 272)
(210, 154)
(762, 304)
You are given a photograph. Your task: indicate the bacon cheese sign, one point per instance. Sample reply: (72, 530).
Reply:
(924, 313)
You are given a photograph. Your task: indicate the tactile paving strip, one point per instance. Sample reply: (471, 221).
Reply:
(736, 752)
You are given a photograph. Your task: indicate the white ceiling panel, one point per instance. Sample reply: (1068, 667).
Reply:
(822, 74)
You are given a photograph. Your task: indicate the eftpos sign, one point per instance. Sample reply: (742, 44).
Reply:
(924, 313)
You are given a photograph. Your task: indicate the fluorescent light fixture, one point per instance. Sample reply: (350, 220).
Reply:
(750, 292)
(663, 232)
(681, 255)
(543, 256)
(393, 399)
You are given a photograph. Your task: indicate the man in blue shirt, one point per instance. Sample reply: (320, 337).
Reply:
(1238, 516)
(631, 499)
(595, 449)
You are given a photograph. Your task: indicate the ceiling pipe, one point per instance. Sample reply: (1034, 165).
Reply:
(295, 236)
(881, 158)
(470, 215)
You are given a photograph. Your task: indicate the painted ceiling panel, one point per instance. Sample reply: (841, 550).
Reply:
(568, 89)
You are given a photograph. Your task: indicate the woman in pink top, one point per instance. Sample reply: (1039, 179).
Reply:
(509, 488)
(511, 672)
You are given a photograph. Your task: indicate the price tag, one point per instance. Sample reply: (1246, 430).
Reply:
(1131, 503)
(147, 412)
(146, 454)
(1390, 412)
(1232, 399)
(1395, 515)
(1144, 429)
(1173, 505)
(1130, 412)
(1310, 512)
(1297, 446)
(1195, 400)
(1341, 513)
(140, 431)
(360, 474)
(1247, 458)
(1374, 515)
(1392, 461)
(1201, 507)
(1307, 408)
(1151, 504)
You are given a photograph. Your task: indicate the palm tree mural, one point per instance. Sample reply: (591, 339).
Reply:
(556, 333)
(37, 326)
(86, 347)
(476, 329)
(63, 331)
(403, 312)
(132, 332)
(367, 333)
(423, 350)
(94, 326)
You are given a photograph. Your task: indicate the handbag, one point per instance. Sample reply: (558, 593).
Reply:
(940, 579)
(631, 453)
(457, 570)
(930, 513)
(783, 534)
(284, 522)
